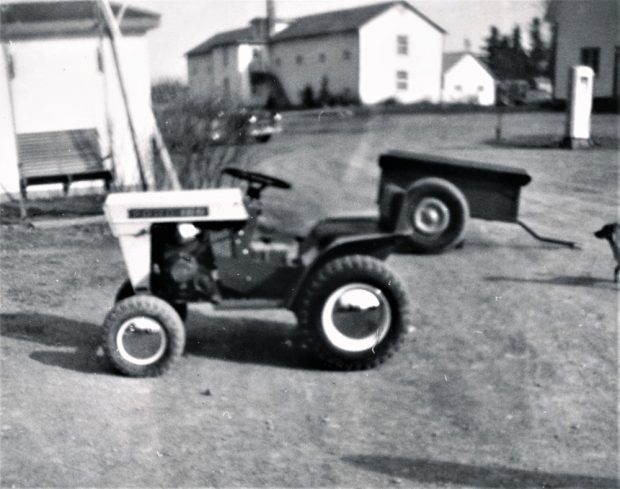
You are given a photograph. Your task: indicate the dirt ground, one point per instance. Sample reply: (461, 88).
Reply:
(510, 379)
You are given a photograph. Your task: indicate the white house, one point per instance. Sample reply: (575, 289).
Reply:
(466, 79)
(62, 117)
(373, 53)
(586, 33)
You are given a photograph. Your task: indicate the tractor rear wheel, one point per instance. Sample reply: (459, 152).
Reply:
(143, 336)
(354, 312)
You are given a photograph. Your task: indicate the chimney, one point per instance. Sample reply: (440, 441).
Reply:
(271, 17)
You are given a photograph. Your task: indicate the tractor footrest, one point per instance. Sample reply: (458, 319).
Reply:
(235, 304)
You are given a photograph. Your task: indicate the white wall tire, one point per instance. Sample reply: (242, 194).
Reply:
(143, 336)
(353, 287)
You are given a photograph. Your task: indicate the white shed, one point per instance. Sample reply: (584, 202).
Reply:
(62, 118)
(466, 79)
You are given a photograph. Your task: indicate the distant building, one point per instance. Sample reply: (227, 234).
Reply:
(466, 79)
(586, 33)
(371, 54)
(61, 113)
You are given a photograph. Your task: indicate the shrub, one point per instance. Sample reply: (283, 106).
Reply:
(185, 124)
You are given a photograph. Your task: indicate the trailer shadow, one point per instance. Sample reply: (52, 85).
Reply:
(243, 338)
(58, 333)
(566, 280)
(422, 471)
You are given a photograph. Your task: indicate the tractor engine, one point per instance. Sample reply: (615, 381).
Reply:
(183, 263)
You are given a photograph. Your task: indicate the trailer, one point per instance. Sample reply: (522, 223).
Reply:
(442, 194)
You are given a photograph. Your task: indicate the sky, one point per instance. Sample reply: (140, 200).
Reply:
(187, 23)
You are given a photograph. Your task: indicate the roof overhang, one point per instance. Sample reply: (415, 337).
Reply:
(44, 19)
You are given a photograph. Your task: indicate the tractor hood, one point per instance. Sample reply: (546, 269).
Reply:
(131, 213)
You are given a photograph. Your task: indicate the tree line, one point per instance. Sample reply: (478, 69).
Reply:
(508, 59)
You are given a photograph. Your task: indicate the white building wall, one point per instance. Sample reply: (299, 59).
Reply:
(58, 85)
(380, 62)
(468, 82)
(224, 66)
(342, 74)
(9, 175)
(200, 77)
(135, 65)
(586, 24)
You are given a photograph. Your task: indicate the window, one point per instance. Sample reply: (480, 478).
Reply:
(590, 57)
(225, 56)
(346, 54)
(402, 80)
(226, 84)
(299, 59)
(322, 57)
(402, 45)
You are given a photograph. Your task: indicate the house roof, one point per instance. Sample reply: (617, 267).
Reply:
(341, 21)
(310, 26)
(44, 18)
(451, 59)
(227, 38)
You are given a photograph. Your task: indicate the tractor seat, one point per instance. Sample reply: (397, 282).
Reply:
(390, 205)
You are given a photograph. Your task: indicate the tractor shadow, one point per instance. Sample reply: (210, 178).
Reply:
(58, 334)
(565, 280)
(243, 338)
(422, 471)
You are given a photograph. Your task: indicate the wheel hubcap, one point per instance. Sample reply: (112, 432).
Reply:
(141, 340)
(356, 317)
(431, 216)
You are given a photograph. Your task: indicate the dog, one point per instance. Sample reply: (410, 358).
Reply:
(611, 232)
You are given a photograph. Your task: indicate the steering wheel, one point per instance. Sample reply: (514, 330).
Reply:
(258, 181)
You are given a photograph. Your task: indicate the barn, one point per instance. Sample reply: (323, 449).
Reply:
(62, 118)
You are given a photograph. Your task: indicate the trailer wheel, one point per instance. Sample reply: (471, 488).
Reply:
(143, 336)
(353, 313)
(437, 212)
(126, 290)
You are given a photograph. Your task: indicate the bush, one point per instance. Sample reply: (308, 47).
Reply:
(185, 124)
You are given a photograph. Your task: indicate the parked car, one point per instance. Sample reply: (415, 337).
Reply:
(256, 124)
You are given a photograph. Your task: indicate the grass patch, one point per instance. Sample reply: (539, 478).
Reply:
(54, 208)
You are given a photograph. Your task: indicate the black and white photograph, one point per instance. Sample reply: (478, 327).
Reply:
(309, 244)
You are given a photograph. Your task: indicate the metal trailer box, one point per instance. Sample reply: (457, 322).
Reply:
(492, 191)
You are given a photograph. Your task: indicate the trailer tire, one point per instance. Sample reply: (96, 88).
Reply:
(139, 316)
(357, 285)
(437, 212)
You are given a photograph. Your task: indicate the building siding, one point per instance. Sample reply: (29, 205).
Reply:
(380, 62)
(591, 24)
(9, 175)
(322, 57)
(468, 82)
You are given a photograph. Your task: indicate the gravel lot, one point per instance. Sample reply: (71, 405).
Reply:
(510, 379)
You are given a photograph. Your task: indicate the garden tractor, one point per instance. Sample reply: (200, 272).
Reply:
(195, 246)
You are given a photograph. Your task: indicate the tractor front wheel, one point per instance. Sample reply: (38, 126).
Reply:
(126, 290)
(143, 336)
